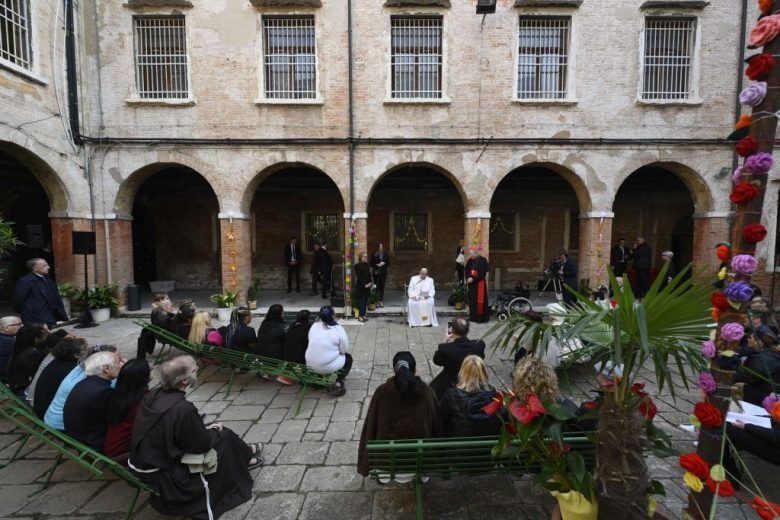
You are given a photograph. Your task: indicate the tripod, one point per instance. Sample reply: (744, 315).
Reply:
(557, 284)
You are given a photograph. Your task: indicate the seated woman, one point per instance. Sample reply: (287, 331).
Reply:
(201, 331)
(328, 350)
(162, 311)
(403, 407)
(271, 334)
(761, 366)
(297, 340)
(239, 335)
(29, 351)
(132, 383)
(461, 406)
(181, 323)
(168, 427)
(51, 341)
(66, 354)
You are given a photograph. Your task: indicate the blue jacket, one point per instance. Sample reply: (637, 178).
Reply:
(37, 300)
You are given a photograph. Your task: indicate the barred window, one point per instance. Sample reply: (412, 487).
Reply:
(410, 231)
(668, 57)
(15, 44)
(503, 231)
(543, 57)
(322, 228)
(416, 57)
(161, 68)
(289, 59)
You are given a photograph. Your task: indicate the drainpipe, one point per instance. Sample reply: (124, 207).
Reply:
(352, 144)
(70, 59)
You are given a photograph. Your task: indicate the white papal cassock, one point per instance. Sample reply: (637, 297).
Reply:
(421, 309)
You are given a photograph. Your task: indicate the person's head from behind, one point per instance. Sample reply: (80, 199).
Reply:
(327, 315)
(303, 317)
(316, 246)
(242, 315)
(103, 364)
(275, 313)
(473, 376)
(423, 273)
(31, 336)
(91, 351)
(187, 310)
(640, 241)
(38, 266)
(179, 373)
(460, 327)
(10, 325)
(200, 324)
(131, 385)
(69, 348)
(53, 339)
(409, 386)
(533, 375)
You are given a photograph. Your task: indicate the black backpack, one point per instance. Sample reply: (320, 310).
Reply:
(146, 342)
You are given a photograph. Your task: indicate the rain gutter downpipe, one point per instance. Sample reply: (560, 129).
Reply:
(351, 144)
(70, 59)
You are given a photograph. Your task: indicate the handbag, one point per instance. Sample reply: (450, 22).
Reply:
(460, 259)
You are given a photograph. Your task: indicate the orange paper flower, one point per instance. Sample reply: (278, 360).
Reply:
(743, 122)
(775, 411)
(765, 6)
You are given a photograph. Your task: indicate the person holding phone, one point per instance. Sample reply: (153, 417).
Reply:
(450, 354)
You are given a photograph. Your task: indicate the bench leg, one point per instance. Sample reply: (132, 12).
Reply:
(230, 381)
(418, 498)
(50, 474)
(129, 514)
(22, 442)
(160, 354)
(301, 395)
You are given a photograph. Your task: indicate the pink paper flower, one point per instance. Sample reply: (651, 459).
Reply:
(737, 175)
(769, 401)
(760, 163)
(707, 383)
(708, 349)
(764, 31)
(744, 264)
(754, 94)
(732, 332)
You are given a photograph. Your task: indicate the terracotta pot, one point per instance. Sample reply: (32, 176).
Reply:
(572, 505)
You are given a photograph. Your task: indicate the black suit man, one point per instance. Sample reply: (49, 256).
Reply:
(642, 259)
(452, 352)
(36, 298)
(292, 258)
(618, 257)
(379, 265)
(568, 273)
(324, 266)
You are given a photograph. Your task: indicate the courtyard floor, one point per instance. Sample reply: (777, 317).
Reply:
(310, 459)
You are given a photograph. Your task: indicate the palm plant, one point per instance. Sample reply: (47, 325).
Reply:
(8, 240)
(643, 339)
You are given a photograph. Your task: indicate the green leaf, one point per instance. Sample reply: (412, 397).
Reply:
(558, 411)
(577, 465)
(657, 488)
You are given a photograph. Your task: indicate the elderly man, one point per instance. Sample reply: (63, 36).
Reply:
(9, 326)
(199, 471)
(86, 409)
(421, 309)
(36, 297)
(668, 259)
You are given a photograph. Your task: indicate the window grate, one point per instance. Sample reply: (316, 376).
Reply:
(416, 57)
(503, 230)
(410, 231)
(542, 57)
(15, 44)
(323, 229)
(289, 60)
(161, 68)
(668, 57)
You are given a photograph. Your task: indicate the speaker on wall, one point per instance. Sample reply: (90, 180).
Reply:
(84, 243)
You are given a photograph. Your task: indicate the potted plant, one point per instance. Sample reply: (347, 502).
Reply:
(67, 292)
(532, 431)
(225, 303)
(648, 339)
(101, 299)
(373, 299)
(8, 240)
(458, 297)
(251, 294)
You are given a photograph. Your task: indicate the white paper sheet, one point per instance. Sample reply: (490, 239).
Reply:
(764, 422)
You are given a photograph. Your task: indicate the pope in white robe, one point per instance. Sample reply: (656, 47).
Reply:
(421, 308)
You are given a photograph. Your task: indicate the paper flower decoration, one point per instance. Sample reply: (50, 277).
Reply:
(708, 415)
(760, 163)
(759, 66)
(693, 482)
(746, 146)
(737, 175)
(720, 301)
(707, 383)
(739, 292)
(744, 121)
(708, 349)
(693, 463)
(765, 6)
(775, 411)
(744, 264)
(723, 251)
(769, 401)
(724, 488)
(732, 332)
(754, 233)
(764, 31)
(743, 192)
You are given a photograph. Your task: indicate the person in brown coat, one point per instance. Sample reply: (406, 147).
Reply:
(404, 407)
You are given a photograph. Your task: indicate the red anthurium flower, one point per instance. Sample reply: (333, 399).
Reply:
(590, 405)
(556, 448)
(725, 489)
(765, 509)
(510, 428)
(495, 406)
(528, 411)
(647, 408)
(693, 463)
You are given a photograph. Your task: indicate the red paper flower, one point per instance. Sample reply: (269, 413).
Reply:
(590, 405)
(528, 411)
(743, 192)
(715, 315)
(708, 415)
(693, 463)
(765, 509)
(720, 301)
(760, 66)
(747, 146)
(495, 405)
(725, 489)
(723, 253)
(775, 411)
(647, 408)
(754, 233)
(743, 122)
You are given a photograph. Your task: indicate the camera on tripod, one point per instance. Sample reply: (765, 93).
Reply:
(554, 271)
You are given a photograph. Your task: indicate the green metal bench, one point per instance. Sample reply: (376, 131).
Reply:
(233, 360)
(448, 457)
(22, 417)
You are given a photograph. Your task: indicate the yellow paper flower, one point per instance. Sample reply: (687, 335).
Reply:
(231, 236)
(722, 274)
(693, 482)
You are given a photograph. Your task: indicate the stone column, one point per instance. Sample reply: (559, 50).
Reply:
(236, 253)
(708, 229)
(360, 221)
(476, 232)
(595, 245)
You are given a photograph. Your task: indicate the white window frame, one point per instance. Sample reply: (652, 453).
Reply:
(693, 96)
(567, 97)
(136, 96)
(262, 99)
(27, 72)
(429, 238)
(444, 98)
(516, 219)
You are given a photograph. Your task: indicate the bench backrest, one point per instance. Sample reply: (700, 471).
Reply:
(241, 360)
(457, 455)
(18, 413)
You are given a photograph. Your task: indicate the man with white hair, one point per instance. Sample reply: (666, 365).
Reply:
(85, 413)
(36, 297)
(422, 312)
(671, 272)
(199, 471)
(9, 326)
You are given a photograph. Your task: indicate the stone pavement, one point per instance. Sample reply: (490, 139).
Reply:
(310, 459)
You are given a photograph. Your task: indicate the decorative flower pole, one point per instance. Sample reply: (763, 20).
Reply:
(755, 136)
(349, 254)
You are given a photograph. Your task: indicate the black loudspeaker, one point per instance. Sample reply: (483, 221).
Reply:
(336, 301)
(84, 243)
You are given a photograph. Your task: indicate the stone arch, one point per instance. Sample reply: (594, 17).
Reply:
(56, 191)
(575, 181)
(697, 187)
(421, 164)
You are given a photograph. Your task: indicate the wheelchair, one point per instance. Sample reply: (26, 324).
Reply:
(509, 303)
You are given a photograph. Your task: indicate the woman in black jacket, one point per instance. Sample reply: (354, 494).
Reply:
(271, 334)
(764, 362)
(297, 340)
(461, 407)
(239, 335)
(66, 353)
(363, 285)
(29, 351)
